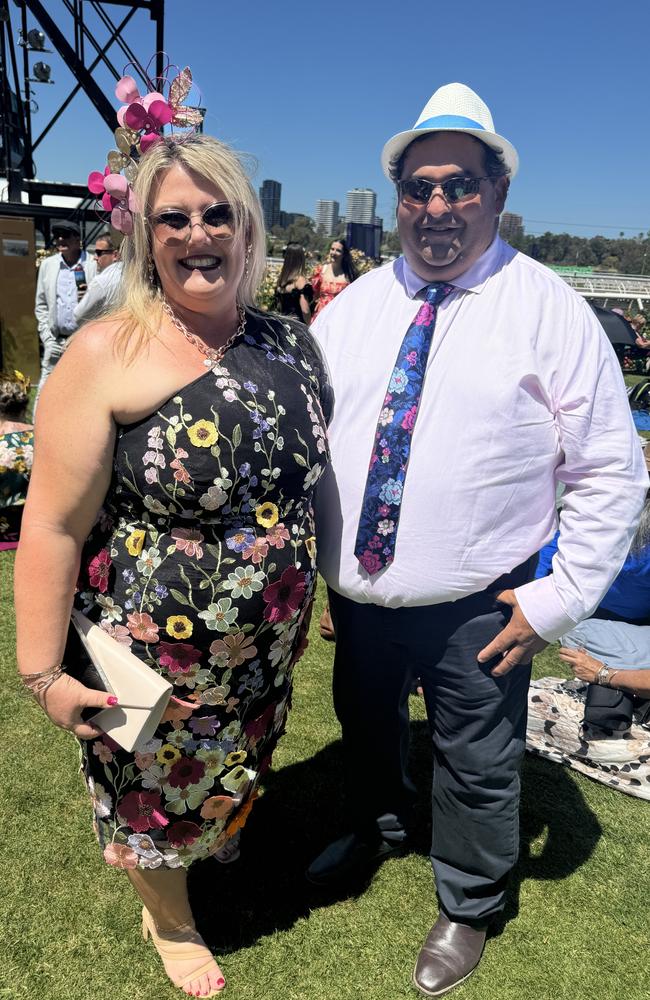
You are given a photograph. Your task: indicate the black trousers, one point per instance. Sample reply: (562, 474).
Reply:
(478, 729)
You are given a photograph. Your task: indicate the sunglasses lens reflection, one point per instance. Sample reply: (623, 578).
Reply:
(419, 190)
(173, 228)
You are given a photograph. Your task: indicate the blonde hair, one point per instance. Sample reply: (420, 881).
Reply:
(141, 299)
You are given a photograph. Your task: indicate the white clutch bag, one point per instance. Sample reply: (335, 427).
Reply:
(142, 694)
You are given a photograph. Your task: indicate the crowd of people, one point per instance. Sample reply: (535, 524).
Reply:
(230, 453)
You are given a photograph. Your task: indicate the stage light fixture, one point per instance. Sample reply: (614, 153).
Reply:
(42, 72)
(36, 40)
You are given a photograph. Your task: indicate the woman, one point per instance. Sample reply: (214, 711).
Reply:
(16, 448)
(556, 708)
(293, 293)
(202, 440)
(330, 278)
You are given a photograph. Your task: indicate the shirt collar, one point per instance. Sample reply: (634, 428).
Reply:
(71, 267)
(471, 280)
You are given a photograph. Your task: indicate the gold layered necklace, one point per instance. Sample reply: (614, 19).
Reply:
(214, 355)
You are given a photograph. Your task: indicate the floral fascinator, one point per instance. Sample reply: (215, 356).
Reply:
(141, 120)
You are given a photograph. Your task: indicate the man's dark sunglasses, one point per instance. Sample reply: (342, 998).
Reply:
(100, 253)
(419, 190)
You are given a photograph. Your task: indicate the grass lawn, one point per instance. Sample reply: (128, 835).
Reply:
(576, 925)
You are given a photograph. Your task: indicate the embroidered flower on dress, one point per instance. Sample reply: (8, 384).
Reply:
(266, 514)
(142, 627)
(183, 833)
(234, 649)
(177, 657)
(142, 811)
(203, 434)
(135, 542)
(284, 597)
(188, 541)
(220, 616)
(179, 627)
(99, 569)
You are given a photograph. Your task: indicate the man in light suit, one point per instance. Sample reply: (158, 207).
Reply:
(62, 280)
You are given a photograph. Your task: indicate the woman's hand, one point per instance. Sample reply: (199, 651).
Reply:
(584, 666)
(64, 700)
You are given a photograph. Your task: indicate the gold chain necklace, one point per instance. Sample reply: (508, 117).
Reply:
(213, 355)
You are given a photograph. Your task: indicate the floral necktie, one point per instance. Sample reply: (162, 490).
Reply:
(380, 511)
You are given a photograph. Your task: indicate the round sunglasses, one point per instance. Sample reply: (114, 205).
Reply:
(173, 227)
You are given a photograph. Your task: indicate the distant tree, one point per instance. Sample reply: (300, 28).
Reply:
(391, 242)
(628, 256)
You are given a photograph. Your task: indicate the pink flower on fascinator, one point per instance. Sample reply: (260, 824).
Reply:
(148, 119)
(121, 202)
(126, 90)
(117, 198)
(96, 181)
(146, 114)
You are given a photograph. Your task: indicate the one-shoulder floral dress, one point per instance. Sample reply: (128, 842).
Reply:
(203, 563)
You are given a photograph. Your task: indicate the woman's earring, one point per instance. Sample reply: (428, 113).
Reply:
(151, 270)
(247, 257)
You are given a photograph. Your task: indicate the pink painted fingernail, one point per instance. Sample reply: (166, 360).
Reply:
(112, 700)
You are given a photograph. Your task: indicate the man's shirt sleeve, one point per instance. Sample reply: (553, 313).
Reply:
(604, 475)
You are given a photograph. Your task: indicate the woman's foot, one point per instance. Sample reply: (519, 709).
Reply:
(188, 961)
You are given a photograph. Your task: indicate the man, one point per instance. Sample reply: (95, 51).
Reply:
(103, 290)
(62, 280)
(474, 380)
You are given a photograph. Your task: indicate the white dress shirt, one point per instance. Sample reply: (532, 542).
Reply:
(67, 295)
(103, 294)
(522, 391)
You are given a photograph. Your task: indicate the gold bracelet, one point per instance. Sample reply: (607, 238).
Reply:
(40, 682)
(42, 673)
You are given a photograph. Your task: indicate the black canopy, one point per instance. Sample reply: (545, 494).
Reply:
(616, 327)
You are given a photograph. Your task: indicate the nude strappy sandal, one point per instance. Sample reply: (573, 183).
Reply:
(180, 945)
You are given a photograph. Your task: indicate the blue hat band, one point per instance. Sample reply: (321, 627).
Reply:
(450, 121)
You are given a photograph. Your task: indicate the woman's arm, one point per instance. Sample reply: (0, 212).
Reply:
(305, 299)
(586, 667)
(73, 453)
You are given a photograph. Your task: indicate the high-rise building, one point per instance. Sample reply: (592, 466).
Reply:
(327, 216)
(365, 237)
(270, 201)
(511, 226)
(288, 218)
(361, 206)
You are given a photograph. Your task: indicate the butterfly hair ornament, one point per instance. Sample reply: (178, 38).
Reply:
(141, 121)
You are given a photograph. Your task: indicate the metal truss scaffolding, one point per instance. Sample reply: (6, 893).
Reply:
(67, 33)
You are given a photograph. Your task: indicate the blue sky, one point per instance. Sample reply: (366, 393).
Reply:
(313, 91)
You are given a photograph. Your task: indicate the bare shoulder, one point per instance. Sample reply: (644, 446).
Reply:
(95, 343)
(300, 282)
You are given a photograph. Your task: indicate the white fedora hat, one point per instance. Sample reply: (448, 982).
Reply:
(453, 108)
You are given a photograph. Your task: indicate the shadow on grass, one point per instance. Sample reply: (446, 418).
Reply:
(302, 810)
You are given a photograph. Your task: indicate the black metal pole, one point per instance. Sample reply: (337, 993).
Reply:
(27, 101)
